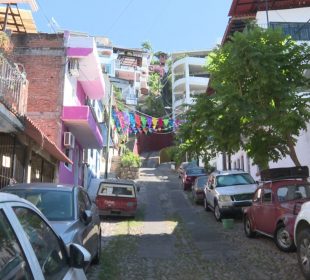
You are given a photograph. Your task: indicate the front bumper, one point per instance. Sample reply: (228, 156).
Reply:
(234, 206)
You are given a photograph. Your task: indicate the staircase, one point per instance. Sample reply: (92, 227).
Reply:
(115, 165)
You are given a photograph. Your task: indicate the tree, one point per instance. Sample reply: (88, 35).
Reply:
(260, 102)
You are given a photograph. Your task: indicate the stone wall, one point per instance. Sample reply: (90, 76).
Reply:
(131, 173)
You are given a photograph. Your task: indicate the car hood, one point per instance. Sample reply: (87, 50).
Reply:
(236, 189)
(66, 229)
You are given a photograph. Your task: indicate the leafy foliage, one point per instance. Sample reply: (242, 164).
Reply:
(258, 105)
(130, 159)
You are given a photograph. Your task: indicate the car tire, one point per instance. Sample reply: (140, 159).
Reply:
(217, 212)
(206, 205)
(248, 227)
(303, 247)
(96, 259)
(283, 240)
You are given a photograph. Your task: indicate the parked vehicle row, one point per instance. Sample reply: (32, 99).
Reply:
(278, 208)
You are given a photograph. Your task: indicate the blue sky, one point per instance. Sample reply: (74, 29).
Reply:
(169, 25)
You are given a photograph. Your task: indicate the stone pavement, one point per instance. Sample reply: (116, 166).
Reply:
(175, 239)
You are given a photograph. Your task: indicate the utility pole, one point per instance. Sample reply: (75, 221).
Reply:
(267, 16)
(108, 133)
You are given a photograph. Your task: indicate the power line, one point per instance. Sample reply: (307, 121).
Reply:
(119, 16)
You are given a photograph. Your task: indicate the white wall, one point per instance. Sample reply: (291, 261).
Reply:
(286, 15)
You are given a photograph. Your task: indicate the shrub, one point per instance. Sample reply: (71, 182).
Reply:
(129, 159)
(167, 154)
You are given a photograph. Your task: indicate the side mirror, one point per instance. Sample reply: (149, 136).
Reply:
(211, 187)
(138, 188)
(86, 217)
(79, 256)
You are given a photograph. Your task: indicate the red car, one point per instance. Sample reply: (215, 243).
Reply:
(116, 197)
(189, 176)
(274, 209)
(198, 188)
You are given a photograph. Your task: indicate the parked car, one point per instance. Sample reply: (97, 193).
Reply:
(302, 239)
(189, 176)
(226, 192)
(274, 209)
(117, 197)
(69, 210)
(185, 165)
(29, 247)
(198, 188)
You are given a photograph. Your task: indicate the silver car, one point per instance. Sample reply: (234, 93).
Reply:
(29, 247)
(69, 210)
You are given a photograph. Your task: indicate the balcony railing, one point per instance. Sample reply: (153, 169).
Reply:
(13, 87)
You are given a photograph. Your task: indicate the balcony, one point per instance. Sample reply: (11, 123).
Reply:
(13, 96)
(82, 123)
(195, 84)
(89, 69)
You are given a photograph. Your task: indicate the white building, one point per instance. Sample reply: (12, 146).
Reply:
(293, 18)
(189, 78)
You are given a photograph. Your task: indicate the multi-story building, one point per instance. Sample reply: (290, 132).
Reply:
(27, 154)
(65, 88)
(189, 78)
(293, 18)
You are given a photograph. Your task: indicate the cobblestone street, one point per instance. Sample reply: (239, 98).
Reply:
(173, 238)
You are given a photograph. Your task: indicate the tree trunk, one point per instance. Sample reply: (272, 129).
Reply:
(292, 151)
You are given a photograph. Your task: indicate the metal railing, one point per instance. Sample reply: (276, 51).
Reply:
(13, 87)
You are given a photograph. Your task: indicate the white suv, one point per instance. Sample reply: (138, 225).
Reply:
(29, 247)
(302, 238)
(228, 191)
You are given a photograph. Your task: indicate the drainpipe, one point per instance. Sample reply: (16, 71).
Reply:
(108, 134)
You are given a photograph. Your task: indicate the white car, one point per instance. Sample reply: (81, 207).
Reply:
(29, 247)
(302, 239)
(228, 191)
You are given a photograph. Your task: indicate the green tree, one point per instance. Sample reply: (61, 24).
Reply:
(260, 102)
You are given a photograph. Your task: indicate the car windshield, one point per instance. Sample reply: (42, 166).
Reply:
(55, 205)
(195, 171)
(116, 190)
(234, 179)
(201, 181)
(293, 192)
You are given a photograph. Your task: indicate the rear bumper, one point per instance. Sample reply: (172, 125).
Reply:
(117, 212)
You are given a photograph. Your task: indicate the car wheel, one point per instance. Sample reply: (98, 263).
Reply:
(96, 259)
(248, 227)
(303, 252)
(217, 212)
(206, 205)
(283, 240)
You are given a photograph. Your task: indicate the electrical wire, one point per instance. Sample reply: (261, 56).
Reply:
(46, 18)
(119, 16)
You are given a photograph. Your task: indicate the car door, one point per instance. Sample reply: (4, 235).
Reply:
(210, 191)
(263, 210)
(15, 260)
(86, 231)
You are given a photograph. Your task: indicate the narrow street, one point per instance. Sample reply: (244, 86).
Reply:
(173, 238)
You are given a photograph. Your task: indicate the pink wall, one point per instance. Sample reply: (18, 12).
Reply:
(80, 94)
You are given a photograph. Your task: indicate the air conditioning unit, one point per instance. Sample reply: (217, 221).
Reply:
(69, 140)
(73, 67)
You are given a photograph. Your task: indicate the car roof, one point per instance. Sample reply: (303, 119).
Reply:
(8, 197)
(40, 186)
(229, 172)
(118, 181)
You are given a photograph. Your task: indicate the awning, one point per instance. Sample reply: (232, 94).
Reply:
(36, 134)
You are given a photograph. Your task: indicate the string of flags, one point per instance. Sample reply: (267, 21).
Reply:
(130, 122)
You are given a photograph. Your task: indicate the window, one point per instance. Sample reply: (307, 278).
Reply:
(13, 264)
(47, 247)
(69, 154)
(267, 196)
(117, 190)
(293, 192)
(299, 31)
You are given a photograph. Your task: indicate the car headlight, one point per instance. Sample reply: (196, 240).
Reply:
(224, 198)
